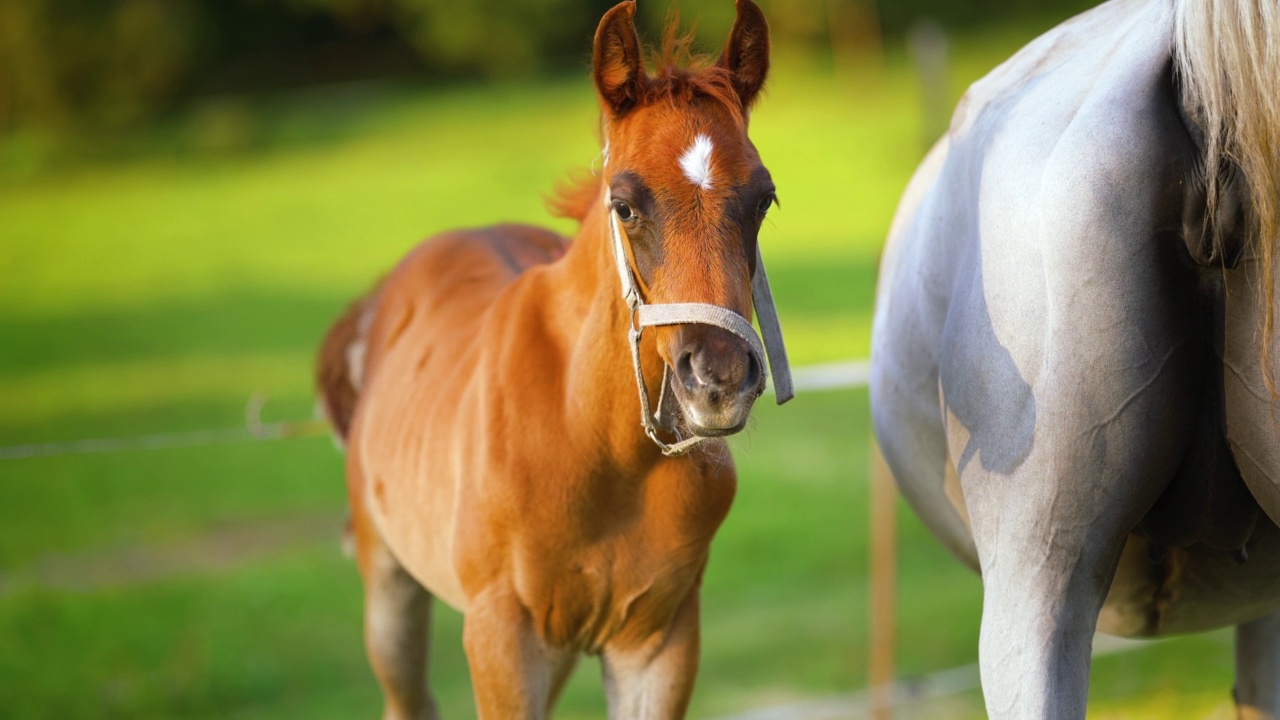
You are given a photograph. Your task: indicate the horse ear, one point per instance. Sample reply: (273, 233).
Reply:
(746, 55)
(618, 69)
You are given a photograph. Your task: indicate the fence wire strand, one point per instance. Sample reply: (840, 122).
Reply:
(811, 378)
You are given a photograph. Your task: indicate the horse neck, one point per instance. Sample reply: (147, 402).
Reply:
(600, 381)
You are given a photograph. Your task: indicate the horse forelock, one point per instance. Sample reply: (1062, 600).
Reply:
(680, 74)
(1228, 58)
(680, 78)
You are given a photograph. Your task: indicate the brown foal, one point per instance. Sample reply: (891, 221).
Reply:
(487, 397)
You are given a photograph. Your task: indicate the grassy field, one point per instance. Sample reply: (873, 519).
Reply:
(159, 293)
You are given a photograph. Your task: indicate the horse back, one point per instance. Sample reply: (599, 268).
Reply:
(439, 293)
(467, 266)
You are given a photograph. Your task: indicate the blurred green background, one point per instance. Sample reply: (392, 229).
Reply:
(191, 190)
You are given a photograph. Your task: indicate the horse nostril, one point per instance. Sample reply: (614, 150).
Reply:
(753, 372)
(684, 369)
(730, 370)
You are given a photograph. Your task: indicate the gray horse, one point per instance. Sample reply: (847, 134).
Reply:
(1072, 339)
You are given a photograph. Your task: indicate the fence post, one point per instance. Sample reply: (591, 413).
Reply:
(884, 590)
(927, 44)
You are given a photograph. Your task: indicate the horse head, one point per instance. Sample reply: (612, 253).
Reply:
(687, 193)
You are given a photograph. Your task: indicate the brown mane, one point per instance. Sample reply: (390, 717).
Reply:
(680, 77)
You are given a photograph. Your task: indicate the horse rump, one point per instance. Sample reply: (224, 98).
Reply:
(340, 363)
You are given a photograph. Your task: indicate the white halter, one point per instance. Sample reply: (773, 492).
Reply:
(644, 315)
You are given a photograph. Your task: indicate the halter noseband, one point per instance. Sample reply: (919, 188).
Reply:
(647, 315)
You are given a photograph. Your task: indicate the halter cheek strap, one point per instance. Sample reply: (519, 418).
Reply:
(645, 315)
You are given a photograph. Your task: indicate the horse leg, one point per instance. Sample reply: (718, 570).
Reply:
(397, 616)
(653, 680)
(1048, 548)
(1037, 635)
(513, 672)
(1257, 690)
(561, 671)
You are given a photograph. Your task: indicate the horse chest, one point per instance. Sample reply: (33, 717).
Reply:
(616, 568)
(616, 592)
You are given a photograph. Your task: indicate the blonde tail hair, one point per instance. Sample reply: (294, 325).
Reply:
(1228, 57)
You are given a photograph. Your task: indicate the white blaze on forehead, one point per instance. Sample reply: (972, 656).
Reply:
(696, 162)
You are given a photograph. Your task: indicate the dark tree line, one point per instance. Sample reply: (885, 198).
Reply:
(78, 65)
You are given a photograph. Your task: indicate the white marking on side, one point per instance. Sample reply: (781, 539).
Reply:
(356, 350)
(696, 162)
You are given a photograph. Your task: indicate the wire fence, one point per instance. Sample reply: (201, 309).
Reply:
(252, 430)
(811, 378)
(906, 695)
(914, 696)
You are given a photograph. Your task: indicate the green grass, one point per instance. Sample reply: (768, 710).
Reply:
(158, 294)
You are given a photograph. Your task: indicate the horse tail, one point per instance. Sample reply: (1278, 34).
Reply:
(340, 364)
(1228, 58)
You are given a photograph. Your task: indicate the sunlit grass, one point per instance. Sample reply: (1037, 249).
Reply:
(159, 293)
(323, 221)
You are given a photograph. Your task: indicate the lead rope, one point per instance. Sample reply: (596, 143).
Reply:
(642, 315)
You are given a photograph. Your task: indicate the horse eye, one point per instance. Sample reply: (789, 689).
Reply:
(766, 202)
(624, 210)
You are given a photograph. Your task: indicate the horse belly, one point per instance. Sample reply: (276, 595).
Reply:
(409, 488)
(1192, 589)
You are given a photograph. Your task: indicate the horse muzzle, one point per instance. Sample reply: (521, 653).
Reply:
(716, 378)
